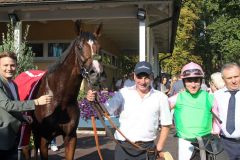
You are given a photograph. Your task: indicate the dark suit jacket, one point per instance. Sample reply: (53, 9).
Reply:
(10, 115)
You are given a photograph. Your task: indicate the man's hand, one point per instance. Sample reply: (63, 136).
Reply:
(91, 95)
(165, 155)
(45, 99)
(28, 119)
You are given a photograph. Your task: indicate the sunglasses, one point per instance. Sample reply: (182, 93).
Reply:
(189, 72)
(192, 79)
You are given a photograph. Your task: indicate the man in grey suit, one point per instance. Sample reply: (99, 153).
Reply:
(11, 108)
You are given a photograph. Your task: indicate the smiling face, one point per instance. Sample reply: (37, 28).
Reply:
(231, 77)
(7, 67)
(143, 82)
(192, 84)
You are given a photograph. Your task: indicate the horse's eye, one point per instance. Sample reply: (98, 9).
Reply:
(97, 57)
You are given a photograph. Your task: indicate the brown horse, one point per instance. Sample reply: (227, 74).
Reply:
(63, 80)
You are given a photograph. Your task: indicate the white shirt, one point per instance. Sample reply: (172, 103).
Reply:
(139, 117)
(222, 97)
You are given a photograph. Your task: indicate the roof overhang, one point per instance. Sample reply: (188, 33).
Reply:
(118, 17)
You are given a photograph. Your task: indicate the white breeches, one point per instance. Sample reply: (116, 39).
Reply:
(185, 149)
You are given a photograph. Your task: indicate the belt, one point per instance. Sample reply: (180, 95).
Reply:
(138, 142)
(143, 142)
(237, 140)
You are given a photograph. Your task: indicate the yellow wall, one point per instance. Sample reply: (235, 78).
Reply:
(64, 30)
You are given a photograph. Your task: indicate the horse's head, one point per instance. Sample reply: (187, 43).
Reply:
(87, 49)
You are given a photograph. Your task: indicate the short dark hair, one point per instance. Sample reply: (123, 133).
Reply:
(8, 54)
(229, 65)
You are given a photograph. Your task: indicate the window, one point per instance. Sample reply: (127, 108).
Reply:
(56, 49)
(37, 49)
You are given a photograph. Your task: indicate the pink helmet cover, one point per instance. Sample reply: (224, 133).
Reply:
(193, 69)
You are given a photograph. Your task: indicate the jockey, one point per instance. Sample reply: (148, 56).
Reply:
(192, 110)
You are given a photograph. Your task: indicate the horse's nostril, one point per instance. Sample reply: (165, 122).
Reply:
(91, 72)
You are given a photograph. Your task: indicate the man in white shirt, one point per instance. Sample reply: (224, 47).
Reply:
(228, 100)
(142, 109)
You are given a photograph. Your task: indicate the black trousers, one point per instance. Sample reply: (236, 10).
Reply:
(232, 148)
(131, 153)
(11, 154)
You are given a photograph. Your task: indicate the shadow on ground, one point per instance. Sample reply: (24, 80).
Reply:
(86, 148)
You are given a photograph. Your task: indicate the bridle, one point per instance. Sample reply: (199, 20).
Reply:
(84, 72)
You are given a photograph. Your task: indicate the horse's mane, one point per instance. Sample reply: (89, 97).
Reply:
(83, 35)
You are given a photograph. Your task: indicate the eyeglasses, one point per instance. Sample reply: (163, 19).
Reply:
(196, 72)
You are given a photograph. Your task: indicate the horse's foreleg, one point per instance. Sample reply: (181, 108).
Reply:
(36, 145)
(70, 146)
(43, 149)
(26, 152)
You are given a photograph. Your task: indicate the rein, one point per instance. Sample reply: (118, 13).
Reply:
(102, 112)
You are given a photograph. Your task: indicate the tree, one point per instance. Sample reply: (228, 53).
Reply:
(25, 54)
(127, 64)
(185, 40)
(225, 29)
(219, 33)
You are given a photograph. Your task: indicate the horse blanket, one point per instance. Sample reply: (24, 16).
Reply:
(26, 82)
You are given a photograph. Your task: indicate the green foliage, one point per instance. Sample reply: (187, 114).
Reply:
(208, 33)
(185, 40)
(226, 34)
(25, 54)
(127, 64)
(219, 33)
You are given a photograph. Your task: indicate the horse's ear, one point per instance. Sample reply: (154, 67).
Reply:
(98, 31)
(78, 25)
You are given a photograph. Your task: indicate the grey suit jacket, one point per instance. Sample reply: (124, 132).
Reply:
(10, 115)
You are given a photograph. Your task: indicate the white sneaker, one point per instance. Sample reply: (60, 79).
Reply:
(54, 148)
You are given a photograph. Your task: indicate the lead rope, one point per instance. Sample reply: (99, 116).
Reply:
(106, 114)
(96, 137)
(166, 155)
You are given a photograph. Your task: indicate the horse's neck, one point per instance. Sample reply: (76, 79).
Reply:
(67, 76)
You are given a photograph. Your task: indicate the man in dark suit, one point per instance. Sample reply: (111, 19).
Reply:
(11, 108)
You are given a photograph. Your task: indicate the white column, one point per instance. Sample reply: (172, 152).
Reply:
(17, 37)
(142, 50)
(148, 44)
(156, 65)
(156, 59)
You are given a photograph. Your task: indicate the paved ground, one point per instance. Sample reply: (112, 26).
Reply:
(86, 149)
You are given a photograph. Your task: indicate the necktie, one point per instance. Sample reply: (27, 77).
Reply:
(230, 126)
